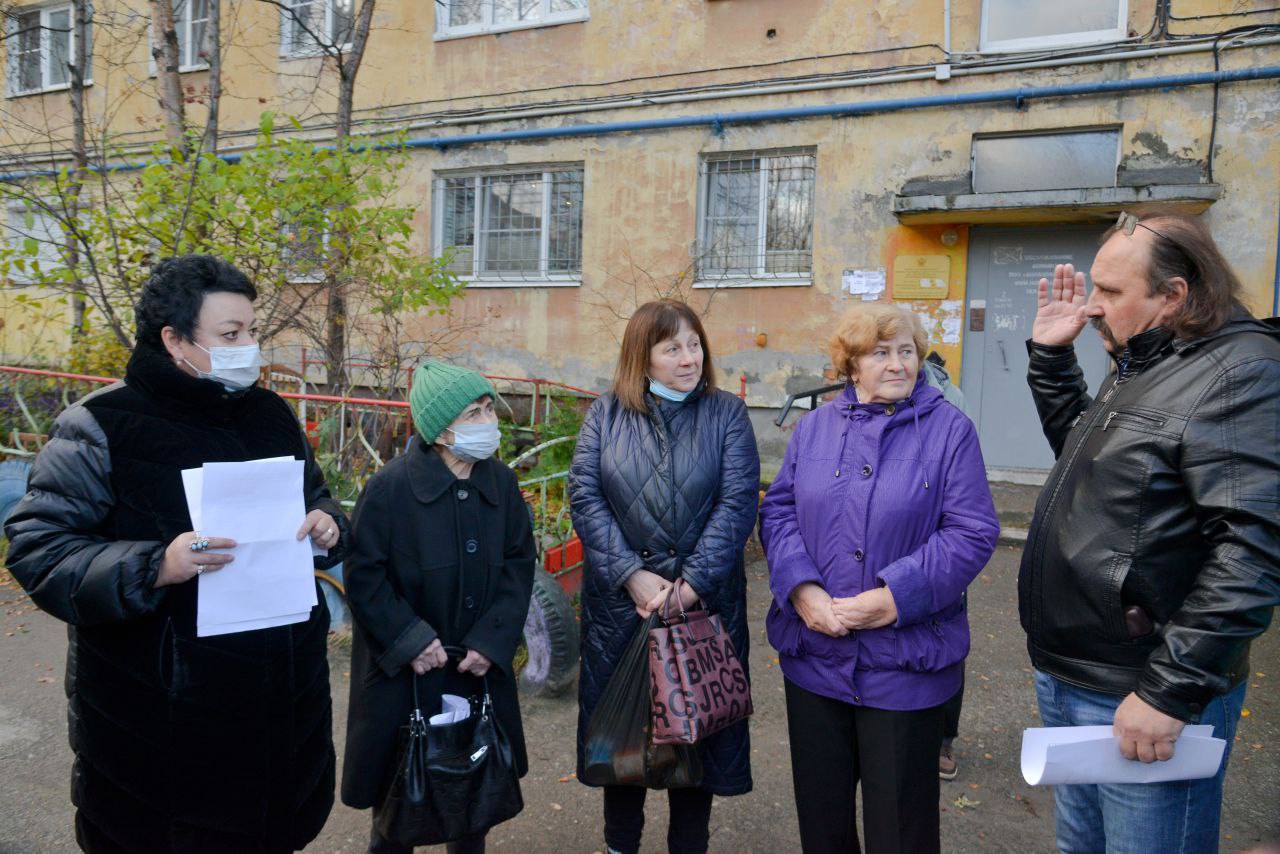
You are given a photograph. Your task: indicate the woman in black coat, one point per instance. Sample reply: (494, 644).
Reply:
(664, 484)
(218, 744)
(443, 556)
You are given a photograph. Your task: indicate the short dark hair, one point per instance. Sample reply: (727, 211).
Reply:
(176, 289)
(1183, 247)
(654, 322)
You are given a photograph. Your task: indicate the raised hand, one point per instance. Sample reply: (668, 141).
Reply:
(1060, 315)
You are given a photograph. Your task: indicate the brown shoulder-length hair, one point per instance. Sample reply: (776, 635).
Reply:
(653, 323)
(1183, 247)
(864, 326)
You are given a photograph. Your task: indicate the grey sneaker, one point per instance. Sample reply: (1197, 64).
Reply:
(948, 767)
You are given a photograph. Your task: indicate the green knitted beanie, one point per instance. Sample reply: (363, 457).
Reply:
(440, 392)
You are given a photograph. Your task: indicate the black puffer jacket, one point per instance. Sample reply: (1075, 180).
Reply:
(182, 744)
(673, 490)
(1166, 496)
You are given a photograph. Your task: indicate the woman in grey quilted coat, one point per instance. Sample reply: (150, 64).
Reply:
(664, 485)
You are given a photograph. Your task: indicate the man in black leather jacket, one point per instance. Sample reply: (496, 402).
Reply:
(1152, 559)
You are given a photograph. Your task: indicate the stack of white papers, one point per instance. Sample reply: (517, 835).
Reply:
(455, 709)
(1054, 756)
(260, 505)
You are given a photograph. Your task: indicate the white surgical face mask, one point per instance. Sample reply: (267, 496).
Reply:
(475, 442)
(235, 367)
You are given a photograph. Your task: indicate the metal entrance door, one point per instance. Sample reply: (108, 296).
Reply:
(1005, 265)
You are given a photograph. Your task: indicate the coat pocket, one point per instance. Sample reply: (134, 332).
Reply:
(1113, 599)
(933, 644)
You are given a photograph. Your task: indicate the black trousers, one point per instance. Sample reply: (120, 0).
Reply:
(951, 713)
(687, 832)
(894, 755)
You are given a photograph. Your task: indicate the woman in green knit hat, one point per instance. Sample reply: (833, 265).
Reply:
(442, 556)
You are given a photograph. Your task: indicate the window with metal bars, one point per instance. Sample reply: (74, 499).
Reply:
(36, 236)
(41, 45)
(473, 17)
(512, 227)
(1014, 25)
(756, 217)
(307, 27)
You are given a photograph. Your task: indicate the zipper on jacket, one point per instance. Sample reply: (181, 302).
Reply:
(1139, 416)
(1038, 587)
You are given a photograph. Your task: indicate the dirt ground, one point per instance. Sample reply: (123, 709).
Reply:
(988, 808)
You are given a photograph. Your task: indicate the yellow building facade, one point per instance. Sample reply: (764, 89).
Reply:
(771, 161)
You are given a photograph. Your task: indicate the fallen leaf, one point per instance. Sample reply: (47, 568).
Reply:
(1257, 745)
(987, 756)
(564, 779)
(973, 785)
(1244, 713)
(963, 802)
(556, 807)
(45, 679)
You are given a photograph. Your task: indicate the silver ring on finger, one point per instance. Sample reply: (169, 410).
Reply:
(199, 569)
(199, 544)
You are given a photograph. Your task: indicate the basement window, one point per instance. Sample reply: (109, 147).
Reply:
(1014, 25)
(455, 18)
(1058, 160)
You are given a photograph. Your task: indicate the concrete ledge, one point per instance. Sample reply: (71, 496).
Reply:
(1013, 536)
(1080, 205)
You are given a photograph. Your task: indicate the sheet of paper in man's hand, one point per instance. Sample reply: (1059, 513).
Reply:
(1054, 756)
(259, 504)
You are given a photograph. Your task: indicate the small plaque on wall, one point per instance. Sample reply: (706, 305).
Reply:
(921, 276)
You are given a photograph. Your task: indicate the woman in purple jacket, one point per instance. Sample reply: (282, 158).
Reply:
(876, 524)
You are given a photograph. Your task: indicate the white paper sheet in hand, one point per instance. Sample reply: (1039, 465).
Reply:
(1054, 756)
(259, 504)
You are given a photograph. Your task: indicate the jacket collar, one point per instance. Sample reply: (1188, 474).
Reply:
(152, 371)
(922, 396)
(430, 478)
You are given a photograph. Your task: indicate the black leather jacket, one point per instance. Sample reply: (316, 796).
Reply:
(1152, 561)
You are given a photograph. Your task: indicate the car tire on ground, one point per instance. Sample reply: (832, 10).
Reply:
(551, 638)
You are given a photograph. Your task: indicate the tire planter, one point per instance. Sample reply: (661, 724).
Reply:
(551, 638)
(13, 485)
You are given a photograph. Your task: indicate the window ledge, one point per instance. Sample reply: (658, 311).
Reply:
(485, 30)
(311, 53)
(1077, 205)
(754, 283)
(522, 283)
(61, 87)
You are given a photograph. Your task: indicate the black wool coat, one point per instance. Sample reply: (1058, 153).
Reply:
(433, 557)
(182, 743)
(673, 490)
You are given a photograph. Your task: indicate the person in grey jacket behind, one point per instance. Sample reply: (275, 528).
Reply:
(664, 485)
(1151, 560)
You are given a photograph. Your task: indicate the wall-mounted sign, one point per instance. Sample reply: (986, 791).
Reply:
(921, 276)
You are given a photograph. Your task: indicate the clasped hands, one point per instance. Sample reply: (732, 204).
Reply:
(837, 616)
(649, 591)
(434, 656)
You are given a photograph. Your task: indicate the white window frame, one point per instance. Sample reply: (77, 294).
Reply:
(1077, 39)
(475, 279)
(45, 229)
(759, 278)
(288, 20)
(12, 73)
(546, 18)
(182, 24)
(316, 276)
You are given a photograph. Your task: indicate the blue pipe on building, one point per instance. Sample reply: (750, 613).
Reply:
(1019, 97)
(1275, 300)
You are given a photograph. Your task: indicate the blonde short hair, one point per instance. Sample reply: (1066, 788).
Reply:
(864, 326)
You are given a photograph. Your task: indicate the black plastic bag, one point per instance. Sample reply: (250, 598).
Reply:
(618, 750)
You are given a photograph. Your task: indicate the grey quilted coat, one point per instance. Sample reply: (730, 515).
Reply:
(673, 490)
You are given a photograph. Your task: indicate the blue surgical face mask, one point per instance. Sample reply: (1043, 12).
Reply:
(475, 442)
(659, 390)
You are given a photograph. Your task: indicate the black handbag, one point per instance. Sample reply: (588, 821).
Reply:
(453, 780)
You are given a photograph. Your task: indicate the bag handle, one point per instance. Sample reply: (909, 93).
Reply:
(666, 603)
(457, 653)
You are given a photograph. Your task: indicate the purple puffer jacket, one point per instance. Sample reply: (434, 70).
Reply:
(880, 495)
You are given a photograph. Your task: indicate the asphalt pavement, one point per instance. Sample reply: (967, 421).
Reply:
(988, 808)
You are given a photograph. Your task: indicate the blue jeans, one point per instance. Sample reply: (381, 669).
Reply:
(1173, 818)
